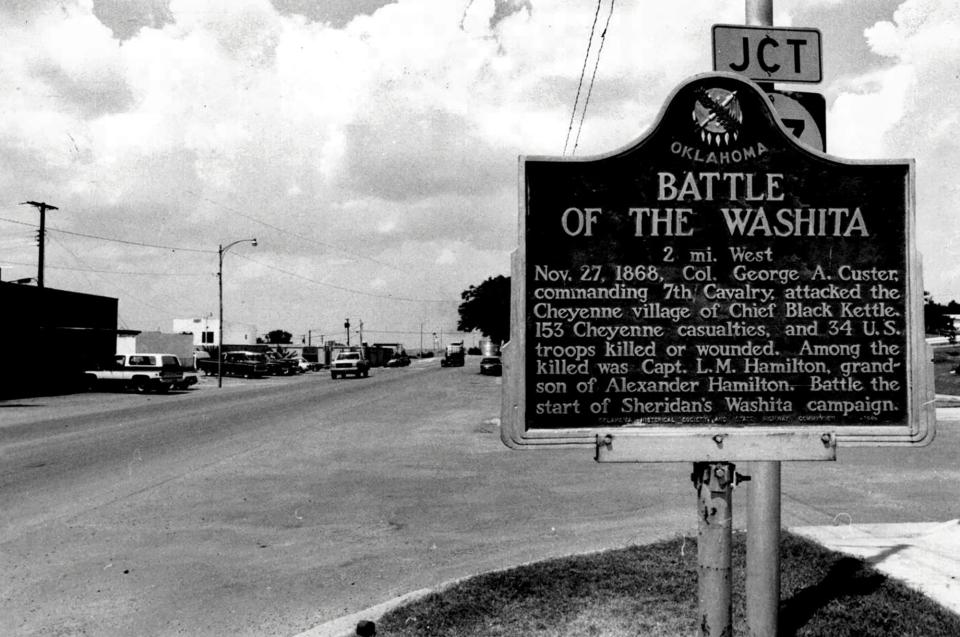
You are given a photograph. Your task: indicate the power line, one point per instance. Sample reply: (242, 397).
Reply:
(445, 332)
(586, 102)
(345, 289)
(583, 71)
(60, 267)
(17, 239)
(120, 320)
(290, 233)
(126, 292)
(312, 240)
(205, 251)
(124, 241)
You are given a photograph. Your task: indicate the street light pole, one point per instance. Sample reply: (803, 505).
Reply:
(221, 252)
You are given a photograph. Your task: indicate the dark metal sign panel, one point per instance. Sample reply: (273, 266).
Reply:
(715, 275)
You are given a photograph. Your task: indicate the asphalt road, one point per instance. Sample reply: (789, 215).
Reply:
(267, 507)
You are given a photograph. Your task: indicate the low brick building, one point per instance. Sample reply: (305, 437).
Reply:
(51, 337)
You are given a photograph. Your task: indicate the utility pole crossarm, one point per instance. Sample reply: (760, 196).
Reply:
(39, 204)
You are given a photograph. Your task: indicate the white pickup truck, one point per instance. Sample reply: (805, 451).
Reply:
(139, 372)
(353, 363)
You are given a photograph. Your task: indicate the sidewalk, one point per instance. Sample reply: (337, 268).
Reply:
(924, 556)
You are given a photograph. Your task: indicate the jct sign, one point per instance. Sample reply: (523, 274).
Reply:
(716, 291)
(768, 54)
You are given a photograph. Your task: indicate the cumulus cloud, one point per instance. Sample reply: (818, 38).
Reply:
(376, 151)
(902, 110)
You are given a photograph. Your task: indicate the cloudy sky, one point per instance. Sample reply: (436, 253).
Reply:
(371, 147)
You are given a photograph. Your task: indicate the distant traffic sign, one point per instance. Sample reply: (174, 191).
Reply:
(768, 54)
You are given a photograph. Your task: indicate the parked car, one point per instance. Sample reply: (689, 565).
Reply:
(491, 366)
(139, 372)
(398, 360)
(279, 366)
(245, 364)
(305, 365)
(349, 363)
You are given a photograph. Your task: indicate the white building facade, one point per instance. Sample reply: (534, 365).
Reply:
(206, 331)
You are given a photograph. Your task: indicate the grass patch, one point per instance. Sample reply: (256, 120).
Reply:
(652, 591)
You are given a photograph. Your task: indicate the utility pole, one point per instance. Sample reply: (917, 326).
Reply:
(346, 326)
(361, 331)
(43, 207)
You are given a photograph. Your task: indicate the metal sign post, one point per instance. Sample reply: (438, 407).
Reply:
(714, 482)
(763, 501)
(763, 549)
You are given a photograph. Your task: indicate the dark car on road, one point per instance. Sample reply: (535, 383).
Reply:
(279, 366)
(246, 364)
(398, 360)
(491, 366)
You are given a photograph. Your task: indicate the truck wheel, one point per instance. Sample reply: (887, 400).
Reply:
(140, 385)
(89, 382)
(366, 373)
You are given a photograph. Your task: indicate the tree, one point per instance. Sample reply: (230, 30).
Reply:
(279, 337)
(486, 307)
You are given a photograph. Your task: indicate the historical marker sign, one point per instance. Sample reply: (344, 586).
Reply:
(716, 291)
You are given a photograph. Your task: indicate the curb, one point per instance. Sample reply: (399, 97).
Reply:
(346, 626)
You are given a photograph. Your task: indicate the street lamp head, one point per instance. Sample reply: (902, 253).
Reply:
(254, 243)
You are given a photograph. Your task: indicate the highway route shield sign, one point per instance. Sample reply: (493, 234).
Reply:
(804, 114)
